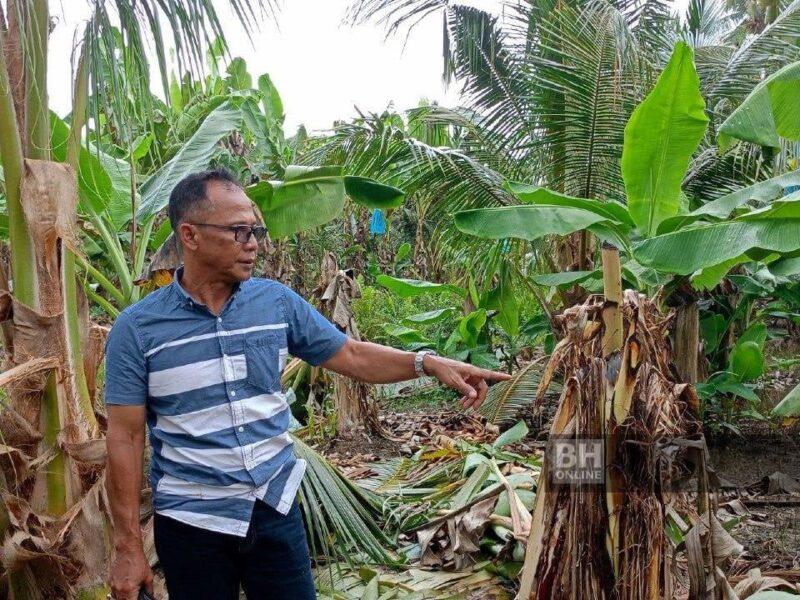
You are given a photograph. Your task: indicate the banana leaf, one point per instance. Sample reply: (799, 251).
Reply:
(193, 156)
(660, 139)
(526, 222)
(789, 407)
(776, 229)
(312, 196)
(768, 114)
(533, 194)
(721, 208)
(406, 288)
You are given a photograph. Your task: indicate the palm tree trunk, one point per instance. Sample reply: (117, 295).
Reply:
(23, 274)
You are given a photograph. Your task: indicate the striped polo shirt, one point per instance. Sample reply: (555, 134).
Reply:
(211, 384)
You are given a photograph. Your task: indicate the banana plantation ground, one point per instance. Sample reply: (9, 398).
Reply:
(610, 214)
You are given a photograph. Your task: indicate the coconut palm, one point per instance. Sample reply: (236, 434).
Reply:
(552, 84)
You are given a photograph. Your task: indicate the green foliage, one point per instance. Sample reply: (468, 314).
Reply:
(566, 278)
(511, 436)
(660, 139)
(747, 360)
(370, 193)
(194, 156)
(473, 336)
(726, 400)
(525, 222)
(429, 317)
(103, 181)
(340, 515)
(378, 306)
(407, 288)
(769, 113)
(506, 399)
(693, 248)
(422, 398)
(503, 299)
(308, 197)
(532, 194)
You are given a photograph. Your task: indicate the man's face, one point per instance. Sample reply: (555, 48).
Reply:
(214, 248)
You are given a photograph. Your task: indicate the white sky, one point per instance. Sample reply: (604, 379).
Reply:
(322, 68)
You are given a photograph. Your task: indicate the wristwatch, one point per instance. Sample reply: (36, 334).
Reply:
(418, 361)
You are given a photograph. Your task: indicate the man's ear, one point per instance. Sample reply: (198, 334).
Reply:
(187, 234)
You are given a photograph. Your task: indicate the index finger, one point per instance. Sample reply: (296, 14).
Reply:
(490, 375)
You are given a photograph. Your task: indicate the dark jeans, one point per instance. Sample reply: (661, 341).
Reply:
(271, 563)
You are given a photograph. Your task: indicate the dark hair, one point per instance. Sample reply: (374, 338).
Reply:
(190, 193)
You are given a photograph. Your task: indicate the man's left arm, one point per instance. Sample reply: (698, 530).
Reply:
(374, 363)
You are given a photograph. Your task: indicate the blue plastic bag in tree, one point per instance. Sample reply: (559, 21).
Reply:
(378, 224)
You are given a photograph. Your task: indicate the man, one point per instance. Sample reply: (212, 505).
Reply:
(200, 361)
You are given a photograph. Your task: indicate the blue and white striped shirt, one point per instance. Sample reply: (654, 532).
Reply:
(216, 414)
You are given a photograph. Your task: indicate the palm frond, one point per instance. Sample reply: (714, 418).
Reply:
(440, 180)
(394, 14)
(588, 76)
(506, 399)
(338, 514)
(712, 174)
(776, 46)
(652, 21)
(378, 146)
(121, 37)
(707, 23)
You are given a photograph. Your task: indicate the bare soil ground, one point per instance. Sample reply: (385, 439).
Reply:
(744, 464)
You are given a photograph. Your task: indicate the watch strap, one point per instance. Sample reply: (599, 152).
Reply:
(418, 364)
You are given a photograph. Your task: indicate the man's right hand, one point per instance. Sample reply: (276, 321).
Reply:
(129, 573)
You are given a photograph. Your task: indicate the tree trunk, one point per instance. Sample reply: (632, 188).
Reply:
(355, 411)
(687, 341)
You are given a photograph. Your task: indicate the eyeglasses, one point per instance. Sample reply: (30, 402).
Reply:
(241, 233)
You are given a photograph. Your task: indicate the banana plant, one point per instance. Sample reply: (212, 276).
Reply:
(470, 337)
(666, 244)
(123, 213)
(654, 228)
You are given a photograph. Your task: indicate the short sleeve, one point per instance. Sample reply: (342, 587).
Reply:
(126, 368)
(311, 336)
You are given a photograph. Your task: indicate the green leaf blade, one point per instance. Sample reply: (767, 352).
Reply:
(768, 114)
(372, 194)
(193, 156)
(533, 194)
(406, 288)
(694, 248)
(660, 139)
(789, 407)
(307, 198)
(526, 222)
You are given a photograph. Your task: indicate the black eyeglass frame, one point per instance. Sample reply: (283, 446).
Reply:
(257, 231)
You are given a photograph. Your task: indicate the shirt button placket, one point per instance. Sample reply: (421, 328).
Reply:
(227, 373)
